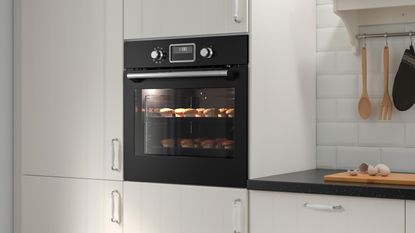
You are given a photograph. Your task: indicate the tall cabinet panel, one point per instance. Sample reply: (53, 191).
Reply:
(71, 88)
(67, 205)
(158, 208)
(166, 18)
(282, 81)
(410, 216)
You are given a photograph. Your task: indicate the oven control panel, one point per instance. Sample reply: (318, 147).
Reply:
(200, 51)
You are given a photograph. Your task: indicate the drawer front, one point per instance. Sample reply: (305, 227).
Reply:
(291, 212)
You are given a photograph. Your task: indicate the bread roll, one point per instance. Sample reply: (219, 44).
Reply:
(228, 144)
(197, 142)
(167, 143)
(210, 112)
(222, 112)
(230, 112)
(218, 142)
(189, 112)
(186, 143)
(200, 112)
(179, 112)
(166, 112)
(208, 144)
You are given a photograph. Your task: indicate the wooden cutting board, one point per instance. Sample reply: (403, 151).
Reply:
(393, 178)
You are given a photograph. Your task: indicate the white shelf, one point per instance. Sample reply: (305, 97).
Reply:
(356, 13)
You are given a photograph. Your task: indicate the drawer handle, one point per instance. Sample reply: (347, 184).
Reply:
(236, 13)
(115, 154)
(237, 216)
(115, 207)
(323, 207)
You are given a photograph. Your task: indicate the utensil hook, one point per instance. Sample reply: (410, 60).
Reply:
(364, 41)
(410, 37)
(386, 38)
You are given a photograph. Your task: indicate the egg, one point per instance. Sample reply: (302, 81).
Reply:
(371, 170)
(363, 167)
(383, 170)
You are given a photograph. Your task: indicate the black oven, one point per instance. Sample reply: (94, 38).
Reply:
(185, 111)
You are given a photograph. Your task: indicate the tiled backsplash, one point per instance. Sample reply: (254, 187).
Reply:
(345, 140)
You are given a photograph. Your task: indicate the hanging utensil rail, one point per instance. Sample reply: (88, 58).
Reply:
(385, 34)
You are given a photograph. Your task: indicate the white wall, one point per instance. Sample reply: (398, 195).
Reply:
(345, 140)
(6, 164)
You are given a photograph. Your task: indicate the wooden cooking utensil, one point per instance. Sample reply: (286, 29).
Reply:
(386, 104)
(365, 107)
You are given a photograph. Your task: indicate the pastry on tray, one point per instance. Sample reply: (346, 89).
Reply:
(228, 144)
(186, 143)
(230, 112)
(179, 112)
(190, 112)
(167, 143)
(166, 112)
(210, 112)
(222, 112)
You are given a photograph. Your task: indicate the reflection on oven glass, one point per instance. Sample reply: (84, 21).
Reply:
(188, 122)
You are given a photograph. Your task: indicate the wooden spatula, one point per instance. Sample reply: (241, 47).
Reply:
(365, 107)
(386, 104)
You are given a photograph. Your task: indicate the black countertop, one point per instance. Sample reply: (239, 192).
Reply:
(312, 181)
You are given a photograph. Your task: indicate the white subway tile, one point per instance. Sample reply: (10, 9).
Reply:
(326, 63)
(336, 134)
(319, 2)
(346, 63)
(333, 39)
(340, 62)
(337, 86)
(326, 17)
(399, 159)
(326, 110)
(347, 110)
(410, 135)
(326, 157)
(352, 157)
(381, 134)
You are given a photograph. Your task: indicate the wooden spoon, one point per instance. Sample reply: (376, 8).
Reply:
(365, 107)
(386, 104)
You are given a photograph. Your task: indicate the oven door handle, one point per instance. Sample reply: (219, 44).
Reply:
(179, 74)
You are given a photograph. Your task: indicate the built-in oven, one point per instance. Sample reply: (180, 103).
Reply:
(185, 111)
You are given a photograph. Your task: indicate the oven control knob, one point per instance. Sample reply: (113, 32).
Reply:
(157, 55)
(206, 52)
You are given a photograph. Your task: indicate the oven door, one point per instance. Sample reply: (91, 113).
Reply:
(186, 126)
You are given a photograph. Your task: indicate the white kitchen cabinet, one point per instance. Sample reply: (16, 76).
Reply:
(283, 83)
(158, 208)
(410, 216)
(287, 213)
(69, 80)
(166, 18)
(65, 205)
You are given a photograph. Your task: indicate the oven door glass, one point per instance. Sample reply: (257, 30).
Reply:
(192, 122)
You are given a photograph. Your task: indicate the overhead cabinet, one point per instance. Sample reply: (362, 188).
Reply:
(311, 213)
(69, 81)
(65, 205)
(159, 208)
(166, 18)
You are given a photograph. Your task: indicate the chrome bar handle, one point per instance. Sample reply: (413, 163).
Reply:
(115, 154)
(323, 207)
(179, 74)
(115, 207)
(236, 13)
(237, 216)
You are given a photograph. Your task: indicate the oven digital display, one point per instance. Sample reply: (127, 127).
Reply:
(182, 53)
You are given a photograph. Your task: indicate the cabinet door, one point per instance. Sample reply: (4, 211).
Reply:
(71, 88)
(287, 213)
(65, 205)
(158, 208)
(410, 216)
(166, 18)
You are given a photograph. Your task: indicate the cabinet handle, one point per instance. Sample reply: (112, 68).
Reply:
(115, 155)
(237, 216)
(323, 207)
(236, 14)
(115, 207)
